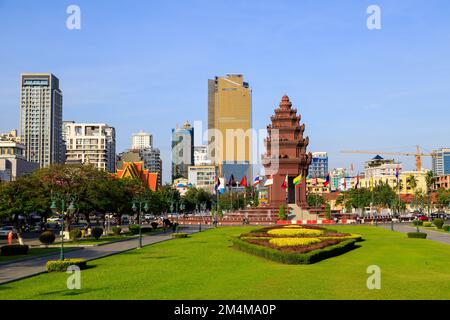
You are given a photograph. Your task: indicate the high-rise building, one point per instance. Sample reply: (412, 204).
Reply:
(41, 118)
(182, 150)
(142, 140)
(230, 124)
(319, 165)
(441, 162)
(201, 157)
(378, 167)
(202, 177)
(93, 143)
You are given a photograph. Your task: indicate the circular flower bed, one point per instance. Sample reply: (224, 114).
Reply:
(295, 232)
(292, 242)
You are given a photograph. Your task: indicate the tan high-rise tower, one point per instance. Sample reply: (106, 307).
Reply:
(230, 114)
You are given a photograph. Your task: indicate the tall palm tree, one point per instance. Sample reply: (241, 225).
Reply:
(430, 179)
(411, 182)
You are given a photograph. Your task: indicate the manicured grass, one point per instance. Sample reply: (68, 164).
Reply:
(204, 266)
(32, 253)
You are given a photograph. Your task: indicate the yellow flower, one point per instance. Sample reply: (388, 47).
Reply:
(295, 232)
(292, 242)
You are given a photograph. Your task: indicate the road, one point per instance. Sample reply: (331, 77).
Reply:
(443, 237)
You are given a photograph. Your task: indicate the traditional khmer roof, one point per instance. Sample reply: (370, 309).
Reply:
(135, 170)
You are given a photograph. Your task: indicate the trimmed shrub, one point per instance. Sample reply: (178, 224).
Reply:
(417, 223)
(61, 266)
(294, 258)
(179, 235)
(146, 229)
(97, 232)
(446, 227)
(14, 250)
(417, 235)
(75, 234)
(116, 230)
(154, 225)
(47, 237)
(438, 223)
(427, 224)
(282, 212)
(134, 228)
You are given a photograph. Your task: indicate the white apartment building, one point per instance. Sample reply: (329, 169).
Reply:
(41, 118)
(142, 140)
(93, 143)
(379, 167)
(202, 177)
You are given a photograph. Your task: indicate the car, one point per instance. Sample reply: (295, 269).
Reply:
(422, 218)
(55, 219)
(4, 231)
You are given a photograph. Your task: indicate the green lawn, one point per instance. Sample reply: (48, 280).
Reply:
(204, 266)
(32, 253)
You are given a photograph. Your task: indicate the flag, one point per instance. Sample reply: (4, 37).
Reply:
(243, 182)
(298, 180)
(232, 181)
(222, 185)
(345, 183)
(327, 181)
(217, 185)
(397, 172)
(256, 181)
(285, 182)
(357, 182)
(269, 181)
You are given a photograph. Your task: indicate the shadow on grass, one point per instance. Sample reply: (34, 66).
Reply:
(67, 292)
(158, 257)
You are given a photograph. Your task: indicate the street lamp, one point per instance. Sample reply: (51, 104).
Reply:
(142, 203)
(62, 199)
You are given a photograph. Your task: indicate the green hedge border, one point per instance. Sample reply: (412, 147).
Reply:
(294, 258)
(417, 235)
(61, 266)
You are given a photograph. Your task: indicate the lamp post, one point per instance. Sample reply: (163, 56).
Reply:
(142, 203)
(62, 199)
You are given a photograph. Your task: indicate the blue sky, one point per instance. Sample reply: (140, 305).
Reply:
(145, 64)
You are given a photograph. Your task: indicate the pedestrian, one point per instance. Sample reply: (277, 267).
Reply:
(10, 237)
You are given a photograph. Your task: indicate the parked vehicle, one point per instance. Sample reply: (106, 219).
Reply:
(4, 231)
(422, 218)
(55, 219)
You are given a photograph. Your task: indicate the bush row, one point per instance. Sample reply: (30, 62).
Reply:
(13, 250)
(438, 223)
(446, 227)
(419, 235)
(294, 258)
(179, 235)
(60, 266)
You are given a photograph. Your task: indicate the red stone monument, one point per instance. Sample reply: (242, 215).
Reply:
(286, 155)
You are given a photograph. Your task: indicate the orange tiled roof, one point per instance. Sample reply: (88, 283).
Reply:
(135, 170)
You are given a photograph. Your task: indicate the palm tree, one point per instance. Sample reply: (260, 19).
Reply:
(430, 179)
(412, 182)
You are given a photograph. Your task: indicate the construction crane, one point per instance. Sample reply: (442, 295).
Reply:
(417, 154)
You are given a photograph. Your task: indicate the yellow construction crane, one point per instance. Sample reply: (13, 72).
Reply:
(417, 154)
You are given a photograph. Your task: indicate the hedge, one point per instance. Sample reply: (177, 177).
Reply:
(179, 235)
(116, 230)
(47, 237)
(134, 228)
(417, 222)
(294, 258)
(446, 227)
(438, 223)
(60, 266)
(427, 224)
(418, 235)
(97, 232)
(14, 250)
(75, 234)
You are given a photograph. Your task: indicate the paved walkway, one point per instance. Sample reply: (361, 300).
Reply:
(431, 234)
(23, 269)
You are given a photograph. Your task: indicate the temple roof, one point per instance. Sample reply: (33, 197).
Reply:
(285, 103)
(135, 170)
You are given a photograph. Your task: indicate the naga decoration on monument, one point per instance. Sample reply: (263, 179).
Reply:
(286, 159)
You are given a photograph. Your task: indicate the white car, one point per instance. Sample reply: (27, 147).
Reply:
(4, 231)
(55, 219)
